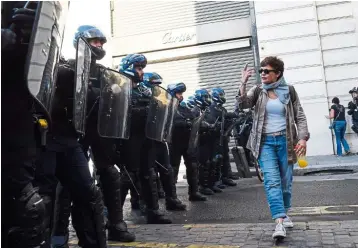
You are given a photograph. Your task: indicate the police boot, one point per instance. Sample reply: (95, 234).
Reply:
(215, 177)
(62, 212)
(204, 178)
(117, 228)
(149, 189)
(172, 202)
(234, 176)
(161, 193)
(231, 174)
(228, 182)
(220, 185)
(88, 221)
(192, 179)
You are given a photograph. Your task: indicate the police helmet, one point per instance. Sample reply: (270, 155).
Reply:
(130, 62)
(188, 103)
(152, 78)
(218, 95)
(176, 88)
(89, 33)
(202, 98)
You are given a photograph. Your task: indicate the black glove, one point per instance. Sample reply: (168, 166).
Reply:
(8, 38)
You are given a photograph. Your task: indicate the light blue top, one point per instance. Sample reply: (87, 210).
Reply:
(275, 117)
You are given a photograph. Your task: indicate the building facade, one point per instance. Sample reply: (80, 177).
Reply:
(318, 42)
(206, 44)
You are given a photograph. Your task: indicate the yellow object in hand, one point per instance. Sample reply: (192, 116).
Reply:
(302, 162)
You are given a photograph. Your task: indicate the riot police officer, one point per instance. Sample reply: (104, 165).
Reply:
(25, 116)
(66, 153)
(104, 154)
(217, 110)
(201, 137)
(138, 152)
(183, 121)
(166, 173)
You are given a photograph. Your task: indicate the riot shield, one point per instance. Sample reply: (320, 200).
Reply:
(194, 133)
(115, 105)
(44, 51)
(162, 108)
(82, 71)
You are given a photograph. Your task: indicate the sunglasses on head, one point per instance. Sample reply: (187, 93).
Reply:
(266, 71)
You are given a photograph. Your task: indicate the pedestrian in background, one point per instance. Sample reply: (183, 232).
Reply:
(339, 125)
(279, 125)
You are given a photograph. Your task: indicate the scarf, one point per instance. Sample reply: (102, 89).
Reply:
(280, 88)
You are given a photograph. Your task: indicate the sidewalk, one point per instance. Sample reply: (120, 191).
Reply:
(304, 234)
(316, 163)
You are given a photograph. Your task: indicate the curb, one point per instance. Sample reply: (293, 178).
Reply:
(347, 166)
(311, 168)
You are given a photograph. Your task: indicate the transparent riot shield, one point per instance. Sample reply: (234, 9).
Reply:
(82, 74)
(194, 133)
(169, 125)
(44, 51)
(115, 105)
(161, 112)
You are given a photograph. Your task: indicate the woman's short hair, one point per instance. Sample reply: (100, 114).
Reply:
(276, 63)
(335, 100)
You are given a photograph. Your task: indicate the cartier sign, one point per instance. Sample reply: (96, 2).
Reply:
(172, 38)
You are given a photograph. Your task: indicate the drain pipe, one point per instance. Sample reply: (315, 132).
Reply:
(254, 41)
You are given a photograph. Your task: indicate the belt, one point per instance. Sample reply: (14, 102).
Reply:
(276, 133)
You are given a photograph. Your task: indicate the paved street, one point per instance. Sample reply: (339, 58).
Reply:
(324, 209)
(304, 234)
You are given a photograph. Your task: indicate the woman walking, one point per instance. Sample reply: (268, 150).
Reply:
(339, 125)
(279, 134)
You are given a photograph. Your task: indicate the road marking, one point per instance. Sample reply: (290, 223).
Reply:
(159, 245)
(322, 210)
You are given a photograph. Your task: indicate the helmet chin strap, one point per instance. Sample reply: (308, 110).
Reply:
(98, 53)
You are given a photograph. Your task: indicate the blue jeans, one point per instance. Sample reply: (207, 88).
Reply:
(278, 174)
(339, 130)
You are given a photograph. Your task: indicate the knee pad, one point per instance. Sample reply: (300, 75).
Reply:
(29, 225)
(109, 176)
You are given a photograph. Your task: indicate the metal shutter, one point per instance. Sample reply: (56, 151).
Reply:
(133, 18)
(219, 69)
